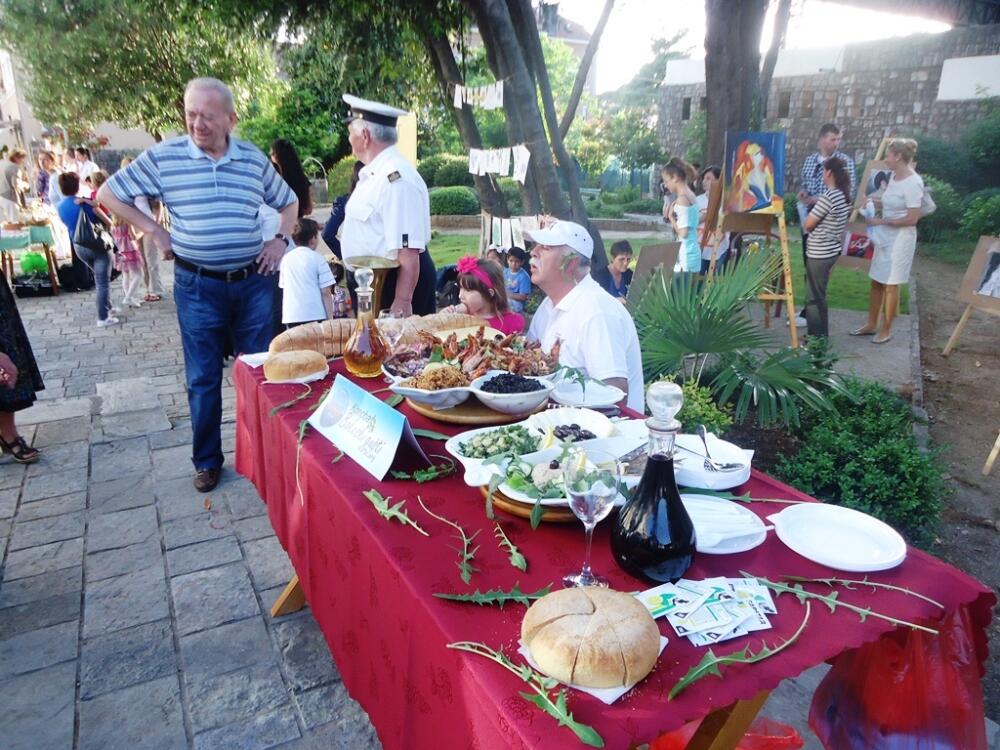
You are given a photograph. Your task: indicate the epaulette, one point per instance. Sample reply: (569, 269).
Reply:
(393, 176)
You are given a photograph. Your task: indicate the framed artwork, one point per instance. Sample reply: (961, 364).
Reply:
(871, 186)
(981, 284)
(754, 172)
(858, 248)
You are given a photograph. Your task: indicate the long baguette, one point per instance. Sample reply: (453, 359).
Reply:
(329, 337)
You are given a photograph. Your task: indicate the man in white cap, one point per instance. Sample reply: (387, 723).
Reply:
(597, 333)
(388, 214)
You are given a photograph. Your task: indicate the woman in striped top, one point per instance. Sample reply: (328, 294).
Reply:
(825, 225)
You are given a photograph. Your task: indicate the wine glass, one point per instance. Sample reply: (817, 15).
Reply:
(591, 479)
(393, 332)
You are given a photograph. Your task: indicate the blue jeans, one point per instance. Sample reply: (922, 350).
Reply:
(209, 311)
(100, 264)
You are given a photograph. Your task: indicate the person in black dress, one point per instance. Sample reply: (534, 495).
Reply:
(19, 377)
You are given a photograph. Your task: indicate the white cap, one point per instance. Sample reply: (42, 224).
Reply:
(363, 109)
(564, 233)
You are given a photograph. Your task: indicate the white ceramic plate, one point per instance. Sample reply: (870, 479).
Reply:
(615, 446)
(691, 471)
(840, 538)
(511, 403)
(444, 398)
(704, 508)
(476, 475)
(587, 419)
(596, 396)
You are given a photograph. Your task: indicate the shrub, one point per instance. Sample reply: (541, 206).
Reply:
(620, 196)
(700, 408)
(948, 210)
(338, 177)
(983, 142)
(865, 457)
(597, 210)
(643, 206)
(945, 161)
(982, 217)
(428, 167)
(453, 170)
(511, 190)
(454, 201)
(984, 193)
(791, 210)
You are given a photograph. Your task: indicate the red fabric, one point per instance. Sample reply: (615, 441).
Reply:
(370, 583)
(509, 322)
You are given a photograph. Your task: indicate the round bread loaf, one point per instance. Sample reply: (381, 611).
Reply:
(294, 365)
(592, 637)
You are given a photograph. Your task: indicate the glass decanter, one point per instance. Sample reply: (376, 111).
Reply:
(366, 349)
(654, 537)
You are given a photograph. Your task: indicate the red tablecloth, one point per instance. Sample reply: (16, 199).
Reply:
(370, 583)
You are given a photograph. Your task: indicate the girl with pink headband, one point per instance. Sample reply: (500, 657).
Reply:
(483, 294)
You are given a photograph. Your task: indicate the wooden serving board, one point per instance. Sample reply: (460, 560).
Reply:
(523, 510)
(471, 411)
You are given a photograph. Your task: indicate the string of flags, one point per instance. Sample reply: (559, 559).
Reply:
(484, 97)
(498, 161)
(508, 233)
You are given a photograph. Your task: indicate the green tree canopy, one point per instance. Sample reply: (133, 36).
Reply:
(126, 61)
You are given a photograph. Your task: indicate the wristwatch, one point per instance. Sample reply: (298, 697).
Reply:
(283, 238)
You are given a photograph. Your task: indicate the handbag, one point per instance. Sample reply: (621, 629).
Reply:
(90, 236)
(927, 204)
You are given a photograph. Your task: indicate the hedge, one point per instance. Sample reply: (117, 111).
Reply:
(453, 170)
(454, 201)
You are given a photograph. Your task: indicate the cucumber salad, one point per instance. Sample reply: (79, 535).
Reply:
(514, 440)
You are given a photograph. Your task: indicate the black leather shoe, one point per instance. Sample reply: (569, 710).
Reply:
(206, 479)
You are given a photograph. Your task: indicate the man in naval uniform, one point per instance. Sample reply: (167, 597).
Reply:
(388, 214)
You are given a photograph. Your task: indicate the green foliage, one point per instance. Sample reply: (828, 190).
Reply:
(948, 211)
(598, 210)
(454, 201)
(982, 217)
(645, 86)
(127, 62)
(511, 190)
(338, 177)
(278, 111)
(621, 196)
(453, 170)
(428, 167)
(694, 134)
(592, 150)
(983, 142)
(700, 408)
(945, 161)
(791, 210)
(684, 323)
(866, 457)
(968, 198)
(643, 206)
(633, 139)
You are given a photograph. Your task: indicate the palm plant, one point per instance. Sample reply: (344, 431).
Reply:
(685, 324)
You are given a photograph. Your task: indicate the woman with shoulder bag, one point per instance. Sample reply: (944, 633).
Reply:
(83, 220)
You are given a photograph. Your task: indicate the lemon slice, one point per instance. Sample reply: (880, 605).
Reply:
(548, 439)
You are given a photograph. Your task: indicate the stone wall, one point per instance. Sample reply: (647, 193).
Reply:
(884, 88)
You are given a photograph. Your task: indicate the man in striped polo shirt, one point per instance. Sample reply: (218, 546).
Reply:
(213, 186)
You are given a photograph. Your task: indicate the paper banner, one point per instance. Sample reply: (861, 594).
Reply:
(497, 234)
(516, 234)
(521, 156)
(459, 96)
(505, 234)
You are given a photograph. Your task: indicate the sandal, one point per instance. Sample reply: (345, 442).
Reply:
(20, 450)
(152, 298)
(862, 331)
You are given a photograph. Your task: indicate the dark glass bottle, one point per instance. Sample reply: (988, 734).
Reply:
(654, 537)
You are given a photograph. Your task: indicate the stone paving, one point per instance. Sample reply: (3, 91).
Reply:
(134, 611)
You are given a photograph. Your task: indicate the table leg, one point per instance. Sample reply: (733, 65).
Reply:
(292, 599)
(724, 728)
(50, 261)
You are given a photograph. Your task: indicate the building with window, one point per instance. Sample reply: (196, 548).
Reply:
(925, 84)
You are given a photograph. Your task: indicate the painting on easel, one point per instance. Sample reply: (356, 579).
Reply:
(981, 285)
(754, 172)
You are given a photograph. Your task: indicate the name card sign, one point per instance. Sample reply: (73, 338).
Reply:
(366, 429)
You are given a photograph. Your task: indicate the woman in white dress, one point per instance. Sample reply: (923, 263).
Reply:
(895, 237)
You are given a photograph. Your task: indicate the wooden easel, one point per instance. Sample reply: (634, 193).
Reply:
(967, 291)
(991, 459)
(961, 325)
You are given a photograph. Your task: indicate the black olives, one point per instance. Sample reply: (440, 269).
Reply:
(572, 433)
(509, 383)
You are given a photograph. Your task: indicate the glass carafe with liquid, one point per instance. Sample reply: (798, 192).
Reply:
(654, 537)
(366, 349)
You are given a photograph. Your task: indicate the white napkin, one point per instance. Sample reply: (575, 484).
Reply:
(605, 695)
(255, 360)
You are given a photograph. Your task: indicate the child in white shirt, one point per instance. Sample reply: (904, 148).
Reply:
(305, 278)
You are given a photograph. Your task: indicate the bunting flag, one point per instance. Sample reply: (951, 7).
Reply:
(490, 161)
(484, 97)
(506, 233)
(521, 157)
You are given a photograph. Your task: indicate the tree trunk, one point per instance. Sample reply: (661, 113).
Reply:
(522, 103)
(770, 59)
(584, 69)
(447, 72)
(567, 166)
(732, 68)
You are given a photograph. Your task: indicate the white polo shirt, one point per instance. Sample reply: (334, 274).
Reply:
(388, 210)
(303, 276)
(598, 336)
